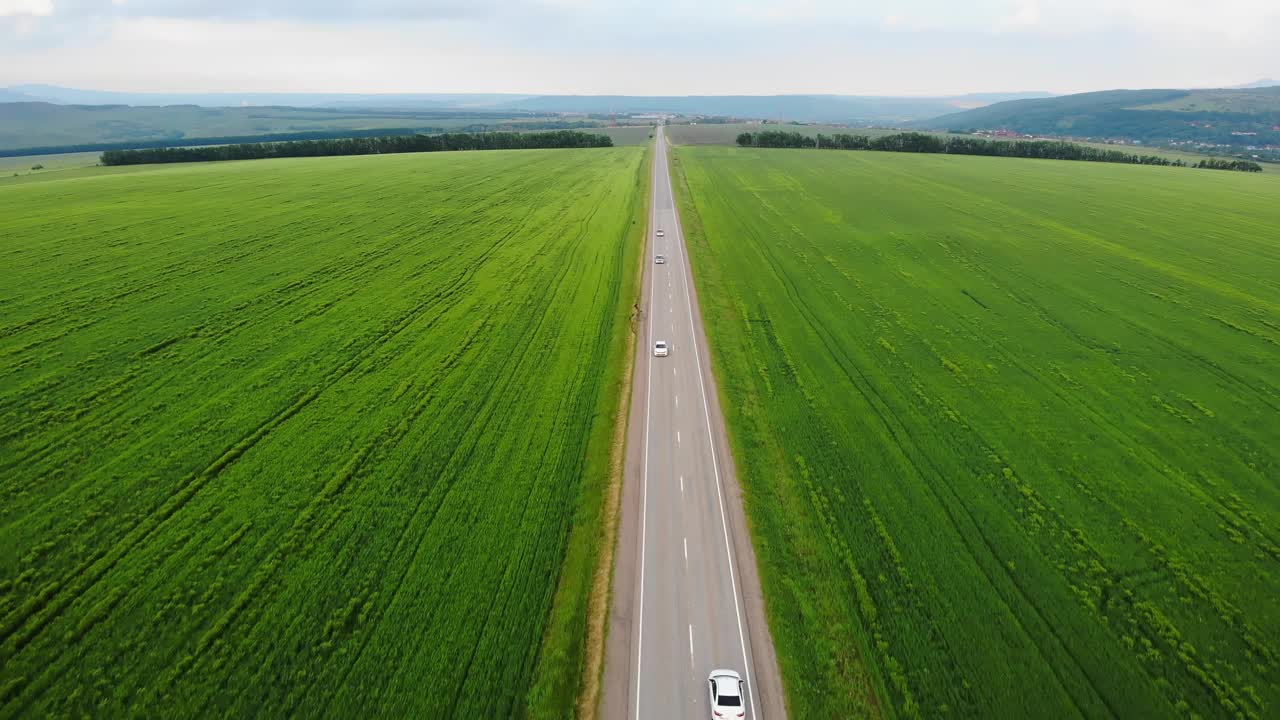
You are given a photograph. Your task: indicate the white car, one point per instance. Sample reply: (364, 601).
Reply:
(660, 349)
(661, 234)
(659, 259)
(726, 694)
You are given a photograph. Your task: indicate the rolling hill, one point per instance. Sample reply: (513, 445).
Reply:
(1214, 117)
(76, 96)
(832, 108)
(10, 95)
(40, 117)
(85, 127)
(809, 108)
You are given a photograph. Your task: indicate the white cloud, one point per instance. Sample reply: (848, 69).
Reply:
(28, 8)
(1026, 15)
(1238, 20)
(637, 46)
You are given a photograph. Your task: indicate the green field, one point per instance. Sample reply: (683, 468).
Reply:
(23, 164)
(726, 134)
(31, 125)
(624, 134)
(309, 438)
(1250, 100)
(1008, 430)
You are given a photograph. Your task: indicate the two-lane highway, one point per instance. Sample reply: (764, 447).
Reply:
(678, 602)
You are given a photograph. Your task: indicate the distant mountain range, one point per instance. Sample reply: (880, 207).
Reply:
(72, 96)
(804, 108)
(818, 108)
(1236, 117)
(52, 116)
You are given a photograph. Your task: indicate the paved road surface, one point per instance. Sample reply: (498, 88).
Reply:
(686, 595)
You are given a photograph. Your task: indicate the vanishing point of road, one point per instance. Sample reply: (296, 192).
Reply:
(686, 593)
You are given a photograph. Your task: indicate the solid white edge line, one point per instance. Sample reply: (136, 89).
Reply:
(706, 413)
(644, 493)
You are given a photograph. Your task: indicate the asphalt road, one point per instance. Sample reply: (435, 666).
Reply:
(686, 597)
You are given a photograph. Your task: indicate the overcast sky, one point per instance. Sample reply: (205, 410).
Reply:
(660, 47)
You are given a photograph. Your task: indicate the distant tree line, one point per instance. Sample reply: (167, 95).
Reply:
(178, 139)
(1237, 165)
(360, 146)
(924, 143)
(528, 125)
(708, 120)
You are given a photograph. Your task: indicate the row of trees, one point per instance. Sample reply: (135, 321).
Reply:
(179, 138)
(360, 146)
(925, 143)
(1237, 165)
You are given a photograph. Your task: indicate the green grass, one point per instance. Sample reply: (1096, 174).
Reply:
(624, 134)
(29, 125)
(22, 164)
(316, 437)
(727, 134)
(1008, 429)
(1250, 100)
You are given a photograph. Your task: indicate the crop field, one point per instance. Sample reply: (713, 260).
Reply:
(309, 438)
(727, 134)
(23, 164)
(28, 125)
(1008, 430)
(624, 134)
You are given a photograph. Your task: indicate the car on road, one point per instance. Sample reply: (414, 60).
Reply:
(660, 349)
(725, 687)
(661, 234)
(659, 259)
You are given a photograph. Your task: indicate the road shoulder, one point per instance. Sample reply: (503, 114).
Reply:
(616, 680)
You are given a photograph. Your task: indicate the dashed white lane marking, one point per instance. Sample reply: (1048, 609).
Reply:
(682, 485)
(686, 553)
(677, 401)
(715, 466)
(677, 437)
(690, 643)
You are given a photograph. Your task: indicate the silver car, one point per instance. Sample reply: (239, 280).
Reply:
(660, 349)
